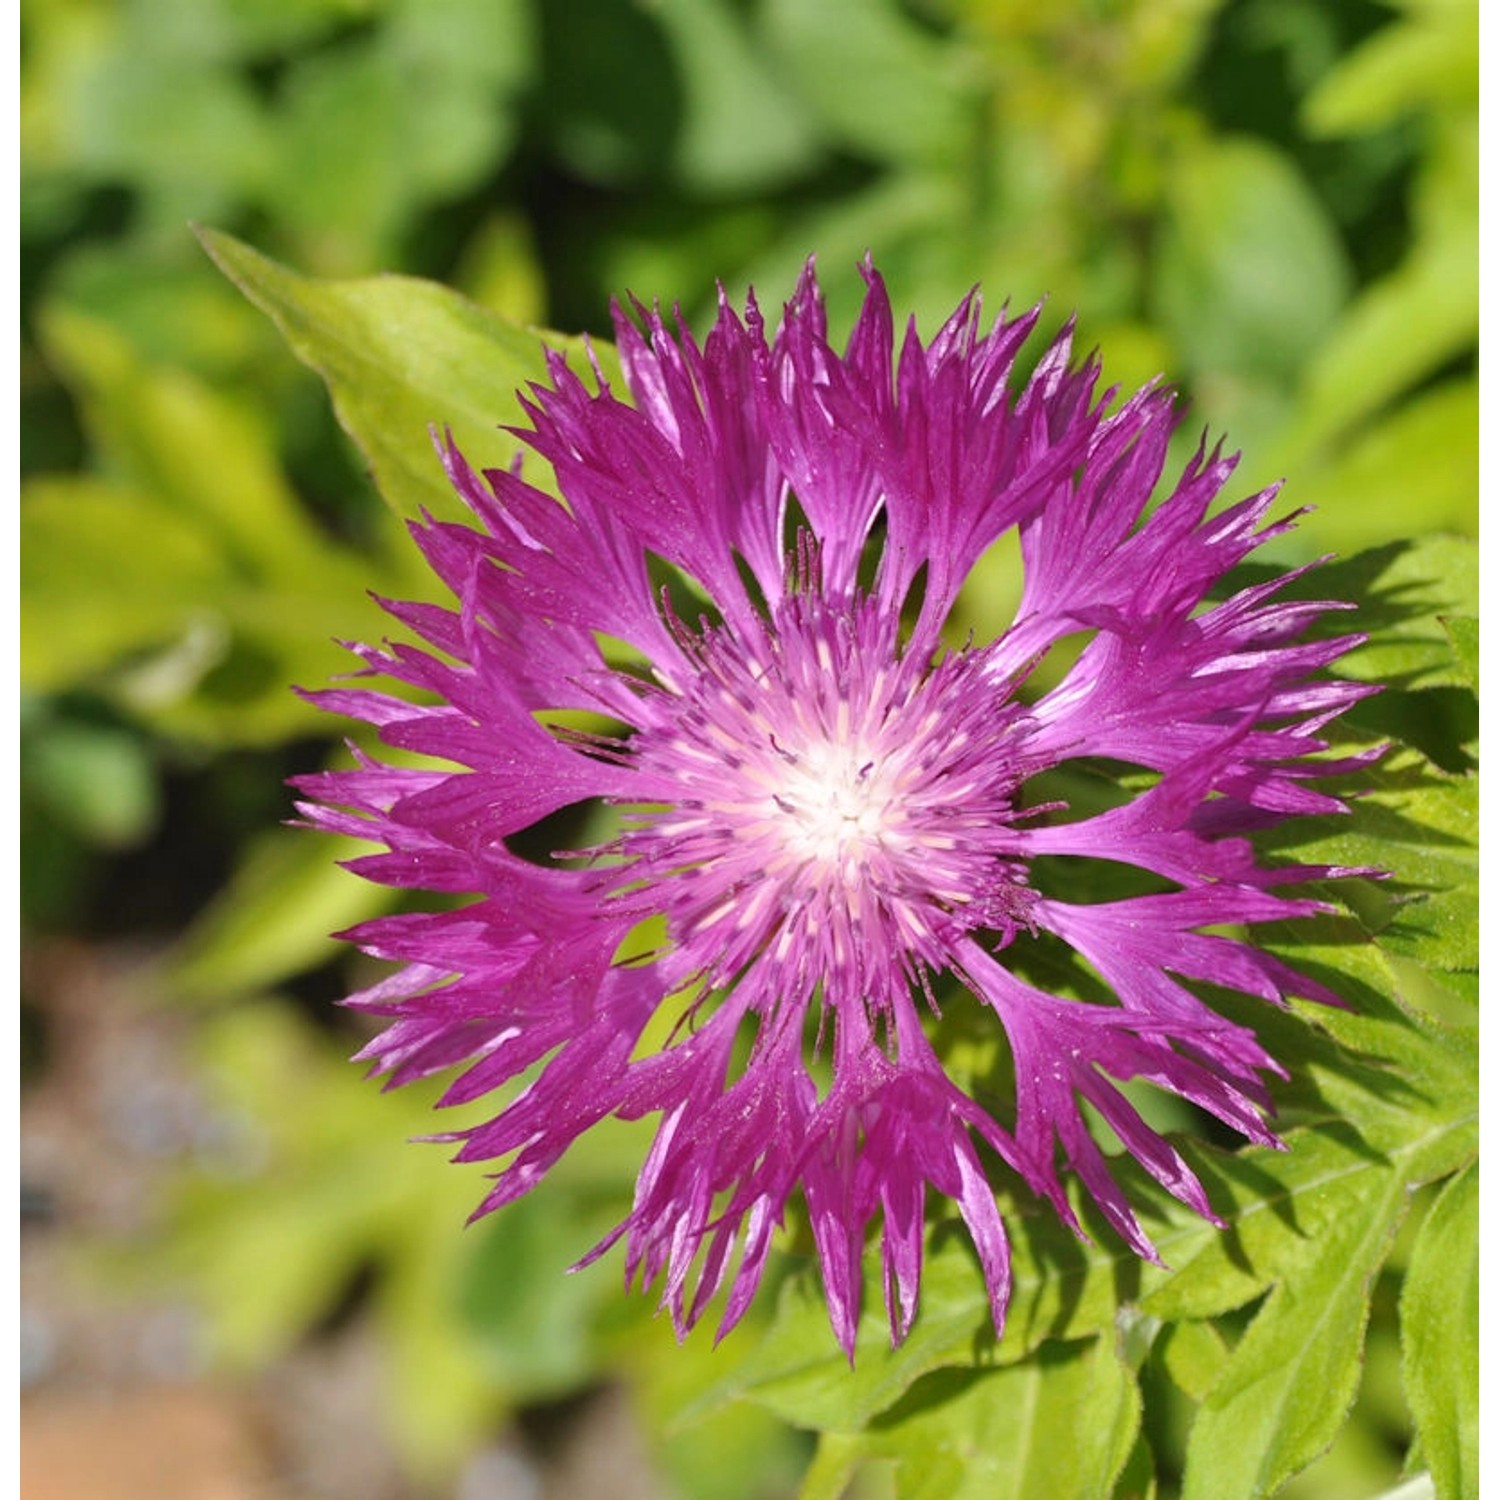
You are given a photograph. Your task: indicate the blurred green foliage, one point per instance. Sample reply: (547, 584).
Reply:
(1271, 202)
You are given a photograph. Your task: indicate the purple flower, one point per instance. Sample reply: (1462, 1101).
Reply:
(823, 815)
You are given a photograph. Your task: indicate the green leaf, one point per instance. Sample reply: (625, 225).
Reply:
(1396, 332)
(95, 780)
(1429, 60)
(205, 456)
(1418, 466)
(1422, 825)
(1250, 276)
(273, 919)
(1438, 925)
(1375, 1133)
(81, 610)
(742, 129)
(1402, 592)
(1405, 1116)
(834, 1465)
(402, 355)
(1058, 1290)
(1137, 1479)
(1440, 1337)
(1463, 632)
(880, 84)
(1061, 1424)
(1194, 1355)
(1289, 1384)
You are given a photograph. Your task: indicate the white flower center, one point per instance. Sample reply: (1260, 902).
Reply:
(833, 801)
(830, 805)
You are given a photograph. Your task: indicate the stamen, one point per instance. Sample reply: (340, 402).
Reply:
(858, 800)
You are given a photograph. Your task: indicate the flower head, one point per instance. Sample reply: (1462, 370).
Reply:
(826, 817)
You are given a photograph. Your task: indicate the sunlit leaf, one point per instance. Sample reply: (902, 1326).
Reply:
(1251, 276)
(400, 356)
(1440, 1337)
(81, 611)
(1063, 1423)
(1463, 631)
(1429, 58)
(1429, 448)
(1288, 1386)
(205, 456)
(273, 918)
(1194, 1355)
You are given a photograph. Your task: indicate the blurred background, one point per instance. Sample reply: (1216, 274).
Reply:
(237, 1278)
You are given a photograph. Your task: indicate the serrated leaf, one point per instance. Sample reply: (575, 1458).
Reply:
(1291, 1380)
(1447, 997)
(1421, 825)
(1463, 632)
(399, 356)
(1397, 1087)
(1281, 1206)
(1440, 1337)
(1060, 1425)
(1059, 1289)
(1404, 1113)
(1402, 591)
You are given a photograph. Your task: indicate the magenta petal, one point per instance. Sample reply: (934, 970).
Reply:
(809, 816)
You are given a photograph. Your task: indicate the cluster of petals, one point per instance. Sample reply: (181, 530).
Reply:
(822, 828)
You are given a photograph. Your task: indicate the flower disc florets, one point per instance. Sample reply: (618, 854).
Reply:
(831, 820)
(842, 812)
